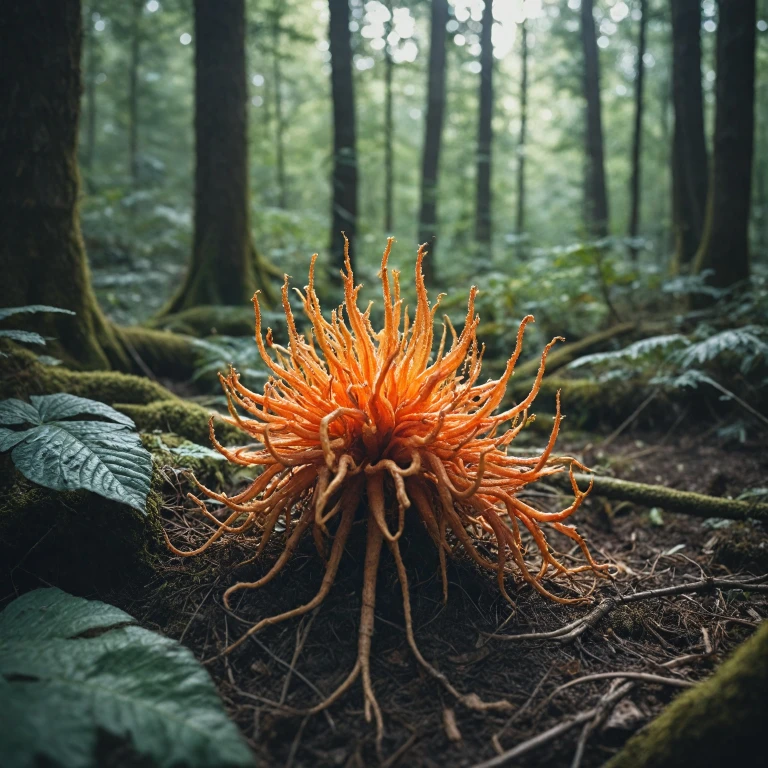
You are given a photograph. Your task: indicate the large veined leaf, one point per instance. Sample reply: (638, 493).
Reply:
(103, 457)
(69, 667)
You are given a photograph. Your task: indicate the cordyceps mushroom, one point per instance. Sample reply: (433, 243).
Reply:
(351, 414)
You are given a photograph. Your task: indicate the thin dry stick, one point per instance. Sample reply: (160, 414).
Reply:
(554, 732)
(570, 632)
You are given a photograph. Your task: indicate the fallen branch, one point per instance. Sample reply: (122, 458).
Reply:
(570, 632)
(669, 499)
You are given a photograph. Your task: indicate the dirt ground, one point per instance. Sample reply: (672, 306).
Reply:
(296, 664)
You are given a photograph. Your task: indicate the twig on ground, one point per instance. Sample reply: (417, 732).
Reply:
(301, 638)
(570, 632)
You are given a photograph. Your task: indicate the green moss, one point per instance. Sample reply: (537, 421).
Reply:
(184, 418)
(170, 355)
(22, 375)
(629, 620)
(181, 455)
(210, 320)
(719, 722)
(741, 546)
(75, 540)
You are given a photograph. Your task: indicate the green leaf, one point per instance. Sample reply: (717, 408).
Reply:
(32, 309)
(97, 456)
(191, 450)
(63, 406)
(59, 688)
(9, 438)
(656, 517)
(14, 411)
(26, 337)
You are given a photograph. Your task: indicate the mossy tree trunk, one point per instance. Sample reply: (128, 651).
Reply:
(724, 246)
(690, 176)
(225, 268)
(344, 178)
(637, 133)
(42, 257)
(430, 160)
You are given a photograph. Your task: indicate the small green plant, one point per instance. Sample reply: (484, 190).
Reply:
(53, 450)
(29, 337)
(70, 668)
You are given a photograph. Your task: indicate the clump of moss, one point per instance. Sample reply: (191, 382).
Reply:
(186, 419)
(742, 546)
(75, 540)
(23, 375)
(181, 455)
(629, 621)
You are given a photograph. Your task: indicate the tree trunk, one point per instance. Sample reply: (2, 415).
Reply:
(89, 146)
(725, 242)
(225, 268)
(430, 160)
(689, 164)
(485, 131)
(133, 92)
(389, 155)
(520, 218)
(277, 76)
(344, 178)
(42, 257)
(637, 136)
(595, 194)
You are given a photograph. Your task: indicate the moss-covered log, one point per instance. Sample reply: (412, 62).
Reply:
(149, 404)
(719, 722)
(670, 499)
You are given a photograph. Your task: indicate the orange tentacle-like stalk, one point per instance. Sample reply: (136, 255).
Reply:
(352, 413)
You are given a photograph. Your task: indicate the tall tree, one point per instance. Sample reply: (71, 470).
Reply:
(595, 194)
(277, 78)
(485, 130)
(520, 218)
(433, 133)
(137, 8)
(89, 144)
(690, 174)
(725, 242)
(344, 178)
(637, 134)
(225, 268)
(389, 132)
(42, 257)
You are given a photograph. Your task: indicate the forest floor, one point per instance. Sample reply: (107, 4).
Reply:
(295, 664)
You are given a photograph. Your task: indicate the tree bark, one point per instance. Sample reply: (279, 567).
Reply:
(595, 194)
(725, 243)
(133, 92)
(389, 154)
(277, 77)
(344, 178)
(689, 163)
(485, 131)
(225, 268)
(42, 257)
(89, 145)
(430, 160)
(637, 136)
(520, 218)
